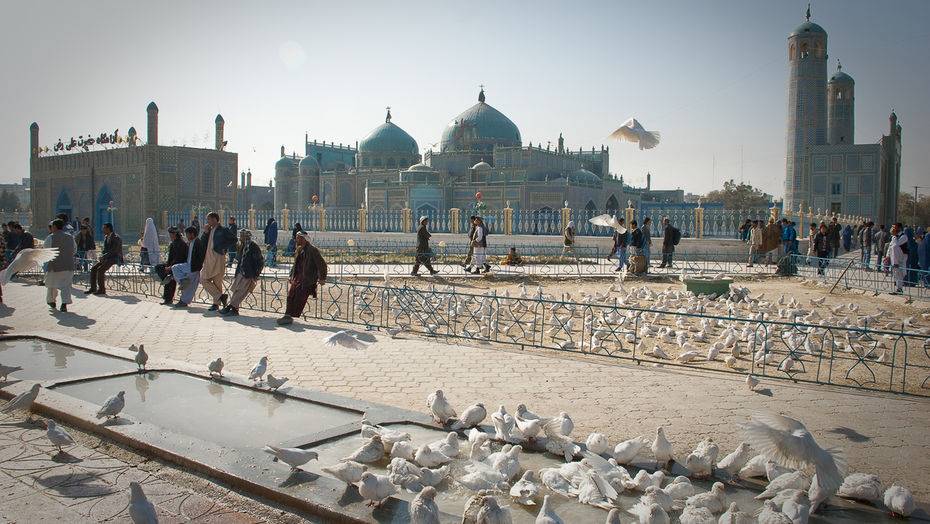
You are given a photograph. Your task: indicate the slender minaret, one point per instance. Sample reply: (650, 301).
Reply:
(152, 112)
(34, 140)
(841, 90)
(220, 123)
(807, 106)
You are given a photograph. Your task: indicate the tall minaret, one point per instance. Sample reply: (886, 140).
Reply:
(34, 140)
(152, 112)
(220, 123)
(807, 106)
(841, 113)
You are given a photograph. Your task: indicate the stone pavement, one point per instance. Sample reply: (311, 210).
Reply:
(878, 432)
(89, 482)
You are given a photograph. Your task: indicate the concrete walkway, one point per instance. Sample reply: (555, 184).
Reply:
(878, 432)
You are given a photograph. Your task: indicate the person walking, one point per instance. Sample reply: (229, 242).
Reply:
(789, 236)
(234, 231)
(271, 242)
(112, 254)
(897, 257)
(568, 238)
(187, 273)
(880, 242)
(177, 254)
(910, 275)
(466, 264)
(865, 244)
(771, 240)
(248, 269)
(480, 243)
(755, 242)
(822, 247)
(309, 271)
(218, 241)
(60, 271)
(670, 238)
(847, 235)
(833, 233)
(647, 241)
(621, 239)
(423, 251)
(86, 247)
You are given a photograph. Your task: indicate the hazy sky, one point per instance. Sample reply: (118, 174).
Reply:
(710, 76)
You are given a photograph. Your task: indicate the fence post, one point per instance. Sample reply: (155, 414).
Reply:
(629, 212)
(773, 211)
(252, 224)
(405, 222)
(801, 229)
(508, 219)
(699, 220)
(566, 215)
(322, 218)
(285, 218)
(222, 213)
(454, 214)
(362, 220)
(164, 219)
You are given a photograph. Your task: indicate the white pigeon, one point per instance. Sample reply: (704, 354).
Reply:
(593, 490)
(657, 495)
(216, 367)
(404, 450)
(491, 512)
(597, 443)
(448, 446)
(113, 406)
(405, 475)
(432, 477)
(546, 514)
(680, 488)
(791, 480)
(525, 490)
(696, 515)
(788, 442)
(735, 461)
(141, 510)
(503, 425)
(57, 435)
(861, 486)
(714, 500)
(688, 356)
(347, 471)
(613, 517)
(423, 508)
(388, 436)
(27, 259)
(558, 444)
(345, 339)
(471, 417)
(23, 401)
(900, 501)
(733, 515)
(274, 383)
(770, 514)
(142, 357)
(626, 451)
(293, 457)
(508, 462)
(797, 508)
(481, 476)
(370, 451)
(633, 131)
(394, 332)
(701, 461)
(662, 448)
(480, 447)
(652, 514)
(562, 423)
(644, 479)
(528, 423)
(755, 467)
(751, 382)
(259, 370)
(6, 370)
(440, 408)
(375, 488)
(429, 457)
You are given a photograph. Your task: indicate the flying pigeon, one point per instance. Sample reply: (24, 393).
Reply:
(345, 339)
(633, 131)
(27, 259)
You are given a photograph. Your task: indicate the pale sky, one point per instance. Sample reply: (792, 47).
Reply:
(710, 76)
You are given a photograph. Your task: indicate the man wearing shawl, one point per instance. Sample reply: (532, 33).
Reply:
(308, 271)
(248, 269)
(423, 251)
(218, 240)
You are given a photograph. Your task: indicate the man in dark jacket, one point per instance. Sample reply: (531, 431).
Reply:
(248, 269)
(187, 273)
(26, 240)
(668, 243)
(833, 235)
(112, 254)
(308, 271)
(271, 242)
(60, 271)
(423, 250)
(621, 242)
(234, 229)
(177, 254)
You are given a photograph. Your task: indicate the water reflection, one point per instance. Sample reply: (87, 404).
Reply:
(216, 390)
(45, 360)
(142, 385)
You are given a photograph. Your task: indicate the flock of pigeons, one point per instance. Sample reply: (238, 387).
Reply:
(801, 474)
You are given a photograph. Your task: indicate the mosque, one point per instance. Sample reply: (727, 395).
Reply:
(480, 150)
(826, 170)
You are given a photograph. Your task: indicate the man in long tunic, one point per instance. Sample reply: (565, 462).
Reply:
(214, 262)
(61, 269)
(308, 271)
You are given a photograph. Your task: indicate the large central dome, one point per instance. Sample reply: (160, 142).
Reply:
(480, 128)
(388, 138)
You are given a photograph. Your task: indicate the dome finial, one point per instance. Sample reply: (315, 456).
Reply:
(808, 11)
(387, 119)
(839, 65)
(481, 93)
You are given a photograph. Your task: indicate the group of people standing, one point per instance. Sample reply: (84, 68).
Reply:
(632, 246)
(772, 240)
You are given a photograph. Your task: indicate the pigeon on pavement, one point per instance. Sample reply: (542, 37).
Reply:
(23, 401)
(113, 406)
(259, 370)
(293, 457)
(57, 435)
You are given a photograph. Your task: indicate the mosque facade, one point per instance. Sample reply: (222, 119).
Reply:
(481, 150)
(826, 170)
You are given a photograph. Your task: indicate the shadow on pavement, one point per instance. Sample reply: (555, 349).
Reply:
(74, 320)
(850, 434)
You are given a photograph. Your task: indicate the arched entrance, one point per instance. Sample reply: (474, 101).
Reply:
(63, 204)
(612, 205)
(102, 214)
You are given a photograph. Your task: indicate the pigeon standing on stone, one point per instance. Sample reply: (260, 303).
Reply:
(347, 471)
(423, 508)
(216, 367)
(57, 435)
(440, 408)
(375, 488)
(662, 448)
(259, 370)
(371, 451)
(113, 406)
(293, 457)
(142, 357)
(471, 417)
(23, 401)
(141, 510)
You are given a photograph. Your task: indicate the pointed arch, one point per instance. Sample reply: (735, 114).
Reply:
(612, 204)
(63, 204)
(102, 213)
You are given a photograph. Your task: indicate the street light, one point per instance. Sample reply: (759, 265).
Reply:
(111, 209)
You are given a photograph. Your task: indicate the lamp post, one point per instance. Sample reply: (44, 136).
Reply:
(111, 209)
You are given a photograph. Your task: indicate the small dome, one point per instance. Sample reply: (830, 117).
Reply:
(481, 165)
(388, 138)
(286, 162)
(807, 28)
(584, 176)
(840, 77)
(480, 128)
(421, 167)
(309, 165)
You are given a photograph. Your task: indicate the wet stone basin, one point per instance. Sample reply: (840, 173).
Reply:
(230, 416)
(451, 498)
(43, 360)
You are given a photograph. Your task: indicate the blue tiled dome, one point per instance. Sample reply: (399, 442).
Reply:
(841, 78)
(807, 28)
(388, 138)
(480, 128)
(308, 164)
(584, 176)
(285, 163)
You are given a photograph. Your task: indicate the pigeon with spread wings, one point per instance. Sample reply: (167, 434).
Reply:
(27, 259)
(633, 131)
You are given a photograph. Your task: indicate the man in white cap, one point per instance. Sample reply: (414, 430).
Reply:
(423, 251)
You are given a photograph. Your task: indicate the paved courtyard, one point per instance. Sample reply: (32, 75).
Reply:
(878, 432)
